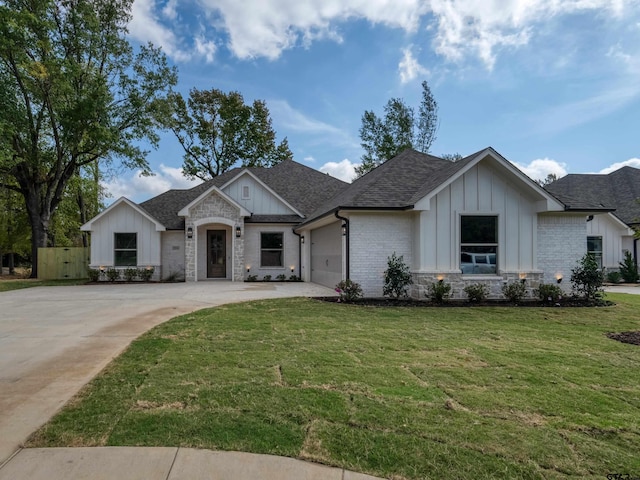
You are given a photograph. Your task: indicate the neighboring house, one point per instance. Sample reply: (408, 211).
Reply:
(479, 219)
(609, 236)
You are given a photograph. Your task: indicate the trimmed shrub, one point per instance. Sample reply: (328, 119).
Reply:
(145, 274)
(281, 278)
(587, 279)
(439, 291)
(130, 274)
(628, 269)
(266, 278)
(94, 274)
(112, 274)
(252, 278)
(614, 277)
(349, 291)
(549, 293)
(295, 278)
(477, 292)
(397, 277)
(514, 292)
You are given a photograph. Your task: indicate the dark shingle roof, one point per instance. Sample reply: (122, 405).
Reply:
(396, 184)
(619, 190)
(302, 187)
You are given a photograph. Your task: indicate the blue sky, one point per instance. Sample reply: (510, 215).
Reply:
(553, 85)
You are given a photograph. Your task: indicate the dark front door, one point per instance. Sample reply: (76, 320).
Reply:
(216, 253)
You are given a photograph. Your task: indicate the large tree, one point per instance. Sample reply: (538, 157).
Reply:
(217, 130)
(72, 93)
(384, 138)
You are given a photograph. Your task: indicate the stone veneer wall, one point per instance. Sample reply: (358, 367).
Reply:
(422, 281)
(214, 207)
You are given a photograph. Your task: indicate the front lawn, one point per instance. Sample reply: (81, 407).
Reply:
(416, 393)
(8, 283)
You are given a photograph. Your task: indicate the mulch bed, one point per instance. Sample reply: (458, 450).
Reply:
(408, 302)
(626, 337)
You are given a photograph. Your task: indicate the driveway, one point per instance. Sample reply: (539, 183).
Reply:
(53, 340)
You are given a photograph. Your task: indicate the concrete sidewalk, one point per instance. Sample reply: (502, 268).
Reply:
(162, 463)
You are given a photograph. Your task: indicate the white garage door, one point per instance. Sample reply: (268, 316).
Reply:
(326, 255)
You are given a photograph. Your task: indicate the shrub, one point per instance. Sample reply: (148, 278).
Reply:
(295, 278)
(549, 293)
(397, 277)
(112, 274)
(349, 291)
(439, 291)
(476, 292)
(266, 278)
(515, 291)
(629, 269)
(587, 279)
(145, 274)
(130, 274)
(94, 274)
(252, 278)
(281, 278)
(614, 277)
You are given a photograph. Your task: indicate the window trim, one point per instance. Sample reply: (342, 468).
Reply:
(495, 244)
(115, 249)
(245, 192)
(281, 249)
(598, 255)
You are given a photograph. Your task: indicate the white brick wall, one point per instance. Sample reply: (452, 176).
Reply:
(252, 251)
(562, 241)
(373, 238)
(173, 253)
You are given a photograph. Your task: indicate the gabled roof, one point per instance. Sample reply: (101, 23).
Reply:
(619, 190)
(184, 211)
(123, 200)
(302, 187)
(406, 179)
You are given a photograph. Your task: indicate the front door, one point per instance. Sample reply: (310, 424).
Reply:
(216, 253)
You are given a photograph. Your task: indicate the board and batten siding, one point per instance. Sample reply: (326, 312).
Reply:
(260, 201)
(124, 219)
(482, 190)
(612, 234)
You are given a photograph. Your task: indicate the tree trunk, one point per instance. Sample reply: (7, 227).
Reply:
(12, 266)
(39, 227)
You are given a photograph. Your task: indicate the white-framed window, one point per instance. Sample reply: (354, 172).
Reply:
(125, 249)
(272, 249)
(479, 244)
(246, 192)
(594, 247)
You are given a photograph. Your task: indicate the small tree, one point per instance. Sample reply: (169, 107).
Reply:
(628, 269)
(397, 277)
(587, 278)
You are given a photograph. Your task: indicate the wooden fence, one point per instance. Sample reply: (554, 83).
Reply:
(57, 263)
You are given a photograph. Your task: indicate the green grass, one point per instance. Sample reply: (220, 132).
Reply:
(416, 393)
(8, 285)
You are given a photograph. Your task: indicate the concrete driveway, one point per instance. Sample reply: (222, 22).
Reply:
(53, 340)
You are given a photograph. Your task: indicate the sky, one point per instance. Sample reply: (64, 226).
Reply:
(552, 85)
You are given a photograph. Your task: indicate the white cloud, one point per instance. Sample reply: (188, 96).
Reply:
(539, 169)
(264, 28)
(287, 116)
(632, 162)
(409, 68)
(139, 187)
(309, 159)
(481, 27)
(344, 170)
(146, 26)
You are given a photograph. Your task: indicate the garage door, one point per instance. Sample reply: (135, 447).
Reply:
(326, 255)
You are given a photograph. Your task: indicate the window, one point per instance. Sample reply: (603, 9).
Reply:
(478, 244)
(594, 247)
(271, 249)
(125, 250)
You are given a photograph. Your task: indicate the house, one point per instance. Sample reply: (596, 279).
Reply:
(479, 219)
(609, 236)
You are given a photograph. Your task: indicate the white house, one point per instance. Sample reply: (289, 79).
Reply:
(476, 220)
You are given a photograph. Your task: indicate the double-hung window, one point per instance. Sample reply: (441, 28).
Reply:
(594, 247)
(479, 244)
(271, 249)
(125, 251)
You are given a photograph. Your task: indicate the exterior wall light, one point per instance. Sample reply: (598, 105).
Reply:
(238, 231)
(523, 278)
(302, 239)
(559, 278)
(189, 232)
(248, 268)
(344, 229)
(292, 268)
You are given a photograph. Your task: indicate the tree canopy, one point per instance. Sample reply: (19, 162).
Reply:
(72, 92)
(399, 129)
(217, 130)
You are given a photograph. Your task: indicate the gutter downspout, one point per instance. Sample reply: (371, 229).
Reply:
(346, 255)
(635, 251)
(299, 252)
